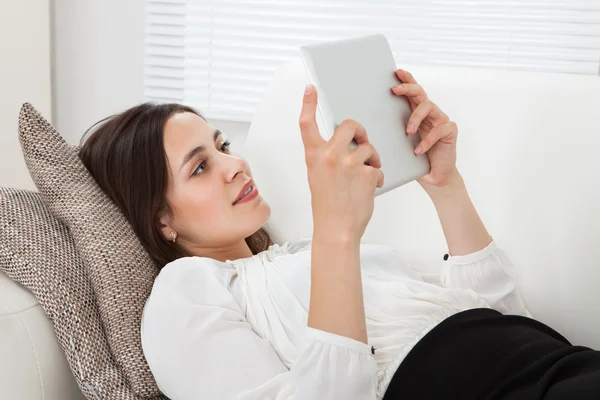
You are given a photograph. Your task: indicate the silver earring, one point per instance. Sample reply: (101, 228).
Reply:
(173, 237)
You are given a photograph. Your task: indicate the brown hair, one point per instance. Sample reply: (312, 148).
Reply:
(125, 155)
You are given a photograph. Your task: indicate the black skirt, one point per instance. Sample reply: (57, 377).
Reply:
(484, 355)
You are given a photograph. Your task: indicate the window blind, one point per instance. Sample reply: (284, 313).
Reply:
(218, 55)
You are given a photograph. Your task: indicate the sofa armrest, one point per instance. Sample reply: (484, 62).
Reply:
(32, 365)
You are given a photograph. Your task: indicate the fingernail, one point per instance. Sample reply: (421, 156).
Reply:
(399, 87)
(411, 128)
(418, 150)
(308, 89)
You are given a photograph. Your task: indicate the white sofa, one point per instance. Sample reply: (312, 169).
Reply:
(527, 149)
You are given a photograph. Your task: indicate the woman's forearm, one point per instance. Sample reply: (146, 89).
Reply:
(463, 229)
(336, 296)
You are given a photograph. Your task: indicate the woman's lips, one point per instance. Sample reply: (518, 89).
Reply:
(248, 197)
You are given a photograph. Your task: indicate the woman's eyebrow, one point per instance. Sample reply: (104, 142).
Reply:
(198, 149)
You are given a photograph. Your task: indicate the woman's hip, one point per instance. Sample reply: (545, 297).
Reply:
(482, 354)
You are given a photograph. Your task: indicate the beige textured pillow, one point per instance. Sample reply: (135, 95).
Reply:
(120, 270)
(37, 251)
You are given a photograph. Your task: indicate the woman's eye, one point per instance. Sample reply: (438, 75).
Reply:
(226, 146)
(201, 168)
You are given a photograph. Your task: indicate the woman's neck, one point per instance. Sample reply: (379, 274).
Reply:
(231, 252)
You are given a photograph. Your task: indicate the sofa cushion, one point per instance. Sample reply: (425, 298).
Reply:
(37, 251)
(121, 273)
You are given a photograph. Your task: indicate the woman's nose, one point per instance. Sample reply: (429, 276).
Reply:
(234, 166)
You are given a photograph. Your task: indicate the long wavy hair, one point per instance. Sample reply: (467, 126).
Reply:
(125, 154)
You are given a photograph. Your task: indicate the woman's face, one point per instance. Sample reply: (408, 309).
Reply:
(205, 185)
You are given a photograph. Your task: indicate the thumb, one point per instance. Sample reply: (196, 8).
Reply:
(428, 179)
(308, 118)
(380, 178)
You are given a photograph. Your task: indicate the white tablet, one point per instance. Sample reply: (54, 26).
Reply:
(353, 78)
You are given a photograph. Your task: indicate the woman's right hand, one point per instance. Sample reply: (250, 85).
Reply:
(342, 180)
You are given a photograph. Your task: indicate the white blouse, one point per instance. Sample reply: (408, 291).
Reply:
(238, 329)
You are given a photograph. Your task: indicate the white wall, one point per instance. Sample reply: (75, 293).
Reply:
(98, 64)
(24, 77)
(98, 61)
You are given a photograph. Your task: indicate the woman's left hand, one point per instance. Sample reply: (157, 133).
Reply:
(438, 133)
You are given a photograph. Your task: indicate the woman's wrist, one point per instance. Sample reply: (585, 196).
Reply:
(464, 231)
(335, 237)
(453, 185)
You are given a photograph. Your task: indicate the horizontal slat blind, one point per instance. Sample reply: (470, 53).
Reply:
(164, 58)
(218, 55)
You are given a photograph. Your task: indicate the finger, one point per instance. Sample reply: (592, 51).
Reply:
(411, 90)
(405, 76)
(417, 116)
(377, 176)
(374, 176)
(439, 132)
(428, 179)
(346, 131)
(308, 121)
(365, 153)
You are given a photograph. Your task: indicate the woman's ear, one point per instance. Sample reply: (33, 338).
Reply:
(165, 222)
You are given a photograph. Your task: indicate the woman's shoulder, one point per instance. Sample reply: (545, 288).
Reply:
(187, 290)
(186, 269)
(189, 264)
(194, 280)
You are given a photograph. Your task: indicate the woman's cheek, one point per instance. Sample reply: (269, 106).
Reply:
(207, 199)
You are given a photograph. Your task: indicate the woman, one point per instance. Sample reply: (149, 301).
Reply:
(326, 318)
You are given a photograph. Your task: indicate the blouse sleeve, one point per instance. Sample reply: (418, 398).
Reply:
(199, 344)
(489, 273)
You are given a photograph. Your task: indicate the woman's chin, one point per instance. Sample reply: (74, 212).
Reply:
(257, 209)
(264, 209)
